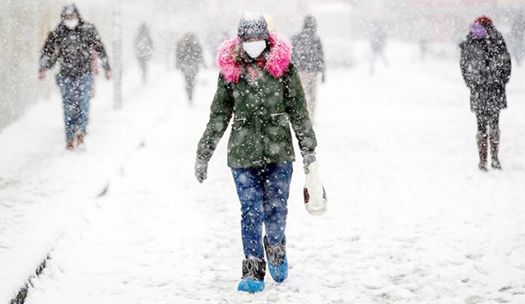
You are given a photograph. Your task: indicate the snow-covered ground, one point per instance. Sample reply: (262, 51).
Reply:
(411, 219)
(44, 190)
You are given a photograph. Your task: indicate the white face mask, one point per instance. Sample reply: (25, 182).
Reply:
(254, 48)
(71, 23)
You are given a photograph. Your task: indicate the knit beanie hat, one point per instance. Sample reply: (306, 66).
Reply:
(253, 26)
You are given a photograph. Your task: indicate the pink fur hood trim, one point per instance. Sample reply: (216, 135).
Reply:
(277, 60)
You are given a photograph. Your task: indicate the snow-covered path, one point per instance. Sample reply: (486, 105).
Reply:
(411, 219)
(44, 190)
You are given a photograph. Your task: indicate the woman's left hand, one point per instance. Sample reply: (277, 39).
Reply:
(308, 159)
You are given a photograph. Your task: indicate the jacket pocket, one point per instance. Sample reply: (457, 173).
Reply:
(278, 129)
(240, 133)
(280, 119)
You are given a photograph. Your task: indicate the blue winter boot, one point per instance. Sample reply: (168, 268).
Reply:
(253, 271)
(277, 261)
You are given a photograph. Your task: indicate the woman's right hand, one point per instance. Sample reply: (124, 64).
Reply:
(201, 170)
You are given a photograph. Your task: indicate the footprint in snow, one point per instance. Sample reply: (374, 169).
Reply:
(335, 281)
(347, 239)
(474, 256)
(373, 283)
(397, 278)
(163, 284)
(505, 288)
(474, 300)
(501, 300)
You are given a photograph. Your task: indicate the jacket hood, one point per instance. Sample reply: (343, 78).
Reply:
(70, 9)
(310, 24)
(492, 34)
(278, 57)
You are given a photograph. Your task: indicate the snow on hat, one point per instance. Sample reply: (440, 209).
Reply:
(478, 31)
(253, 26)
(483, 20)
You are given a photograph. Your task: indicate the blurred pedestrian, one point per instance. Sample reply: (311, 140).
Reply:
(261, 89)
(189, 58)
(144, 50)
(378, 38)
(308, 57)
(517, 35)
(423, 48)
(486, 68)
(74, 44)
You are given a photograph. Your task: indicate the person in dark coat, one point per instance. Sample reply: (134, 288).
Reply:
(486, 68)
(189, 58)
(308, 57)
(260, 88)
(378, 38)
(144, 49)
(74, 44)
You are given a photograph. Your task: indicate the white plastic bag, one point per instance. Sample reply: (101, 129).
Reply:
(315, 199)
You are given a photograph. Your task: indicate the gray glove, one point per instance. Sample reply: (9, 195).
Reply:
(201, 170)
(308, 159)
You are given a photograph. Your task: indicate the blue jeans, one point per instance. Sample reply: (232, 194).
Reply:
(76, 93)
(263, 193)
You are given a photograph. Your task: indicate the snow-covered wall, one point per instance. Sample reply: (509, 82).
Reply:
(21, 28)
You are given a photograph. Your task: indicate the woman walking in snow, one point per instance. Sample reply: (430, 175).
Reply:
(486, 67)
(259, 86)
